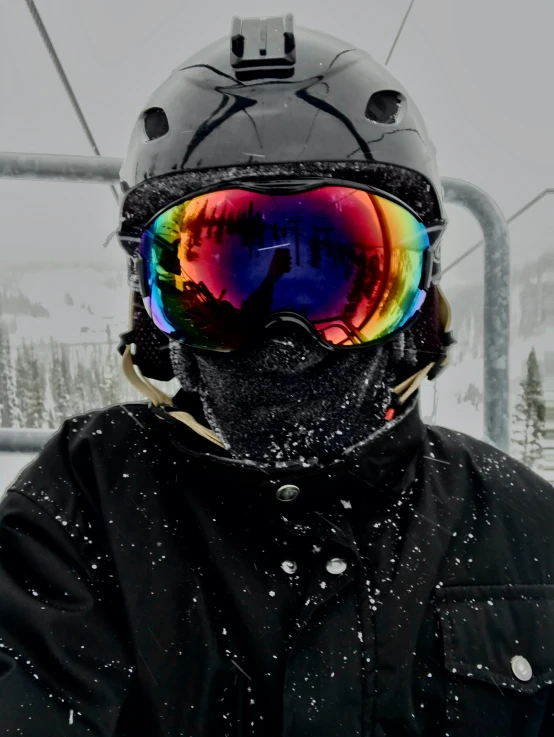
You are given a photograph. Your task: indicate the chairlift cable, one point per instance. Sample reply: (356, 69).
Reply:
(63, 77)
(513, 217)
(399, 32)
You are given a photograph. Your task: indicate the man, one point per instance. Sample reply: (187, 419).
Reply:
(283, 548)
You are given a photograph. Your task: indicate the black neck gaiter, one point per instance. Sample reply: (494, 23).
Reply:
(288, 399)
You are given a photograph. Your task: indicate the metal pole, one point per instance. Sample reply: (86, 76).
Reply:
(497, 305)
(60, 168)
(23, 440)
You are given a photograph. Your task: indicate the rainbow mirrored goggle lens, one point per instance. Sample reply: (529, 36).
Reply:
(348, 261)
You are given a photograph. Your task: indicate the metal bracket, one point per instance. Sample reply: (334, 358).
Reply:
(262, 47)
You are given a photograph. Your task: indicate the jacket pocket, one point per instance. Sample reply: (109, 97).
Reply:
(498, 658)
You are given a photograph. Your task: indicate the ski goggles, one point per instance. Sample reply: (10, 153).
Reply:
(350, 264)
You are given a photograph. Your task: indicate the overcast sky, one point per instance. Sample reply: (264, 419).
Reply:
(480, 71)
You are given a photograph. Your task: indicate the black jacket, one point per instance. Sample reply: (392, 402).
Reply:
(147, 588)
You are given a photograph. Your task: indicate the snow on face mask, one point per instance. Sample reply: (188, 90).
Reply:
(288, 399)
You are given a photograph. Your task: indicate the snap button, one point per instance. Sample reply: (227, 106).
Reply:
(289, 566)
(336, 565)
(287, 493)
(521, 668)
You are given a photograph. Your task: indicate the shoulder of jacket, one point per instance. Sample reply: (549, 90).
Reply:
(113, 415)
(82, 443)
(487, 464)
(86, 456)
(109, 426)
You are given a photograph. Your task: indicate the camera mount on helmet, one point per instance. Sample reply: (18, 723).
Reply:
(263, 47)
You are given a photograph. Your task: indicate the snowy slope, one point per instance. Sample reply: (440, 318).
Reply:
(81, 303)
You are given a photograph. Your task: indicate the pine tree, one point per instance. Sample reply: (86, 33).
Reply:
(80, 383)
(38, 412)
(31, 387)
(97, 378)
(22, 382)
(7, 389)
(530, 415)
(110, 387)
(60, 383)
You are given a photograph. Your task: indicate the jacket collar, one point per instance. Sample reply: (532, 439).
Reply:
(379, 463)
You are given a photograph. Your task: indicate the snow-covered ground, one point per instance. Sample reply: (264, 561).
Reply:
(81, 303)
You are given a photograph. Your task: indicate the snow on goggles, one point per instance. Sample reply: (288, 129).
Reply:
(351, 265)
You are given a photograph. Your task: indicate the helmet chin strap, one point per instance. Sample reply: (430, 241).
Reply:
(403, 391)
(412, 384)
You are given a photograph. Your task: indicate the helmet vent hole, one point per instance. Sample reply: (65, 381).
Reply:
(156, 124)
(384, 107)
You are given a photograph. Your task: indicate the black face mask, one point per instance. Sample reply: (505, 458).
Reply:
(288, 399)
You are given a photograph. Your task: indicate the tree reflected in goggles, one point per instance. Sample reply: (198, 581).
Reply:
(350, 263)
